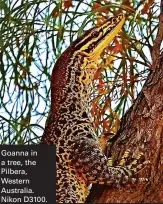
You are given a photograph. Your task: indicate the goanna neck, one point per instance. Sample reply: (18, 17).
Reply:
(68, 85)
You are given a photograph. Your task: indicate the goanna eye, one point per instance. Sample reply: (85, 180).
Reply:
(95, 34)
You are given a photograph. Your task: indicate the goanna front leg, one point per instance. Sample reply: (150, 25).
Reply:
(128, 159)
(93, 164)
(136, 164)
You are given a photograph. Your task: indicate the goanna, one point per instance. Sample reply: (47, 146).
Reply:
(79, 157)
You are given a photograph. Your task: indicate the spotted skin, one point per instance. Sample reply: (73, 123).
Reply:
(80, 160)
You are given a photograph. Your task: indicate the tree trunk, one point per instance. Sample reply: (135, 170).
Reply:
(141, 130)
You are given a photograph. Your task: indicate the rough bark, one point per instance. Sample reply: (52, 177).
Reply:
(141, 130)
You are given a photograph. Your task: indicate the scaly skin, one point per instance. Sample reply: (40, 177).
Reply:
(80, 160)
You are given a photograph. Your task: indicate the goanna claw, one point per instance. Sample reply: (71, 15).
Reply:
(140, 180)
(124, 158)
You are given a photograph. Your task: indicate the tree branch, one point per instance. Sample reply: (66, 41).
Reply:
(159, 39)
